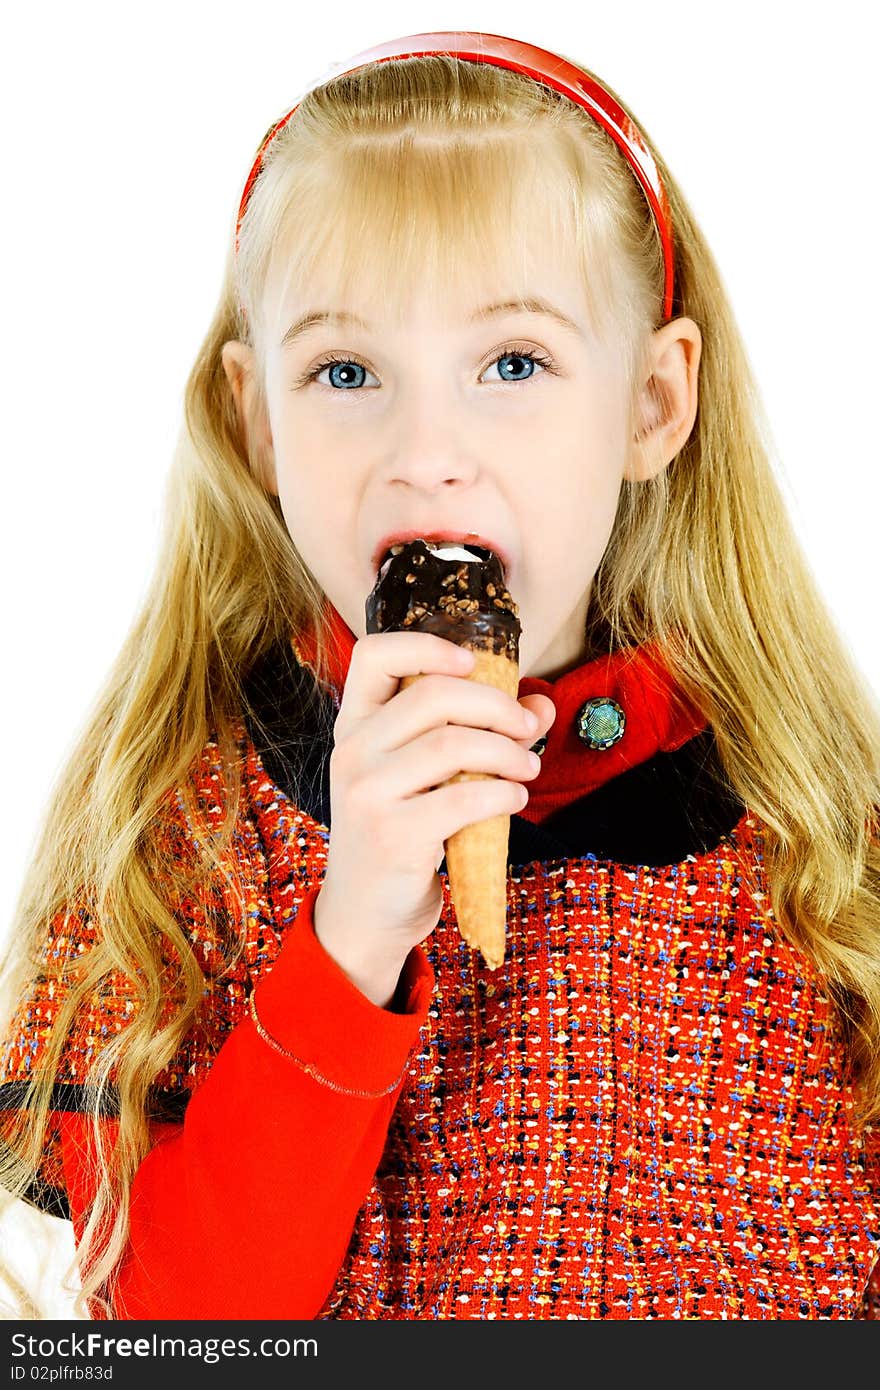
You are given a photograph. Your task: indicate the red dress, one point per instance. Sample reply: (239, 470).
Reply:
(642, 1114)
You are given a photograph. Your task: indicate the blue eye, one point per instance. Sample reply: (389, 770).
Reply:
(521, 359)
(347, 373)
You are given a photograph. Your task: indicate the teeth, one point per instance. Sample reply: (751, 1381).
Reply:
(450, 551)
(444, 550)
(389, 554)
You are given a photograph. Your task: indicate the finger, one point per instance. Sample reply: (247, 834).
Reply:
(380, 660)
(545, 711)
(428, 762)
(448, 809)
(434, 702)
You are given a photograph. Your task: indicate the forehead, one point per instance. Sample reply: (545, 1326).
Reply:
(552, 298)
(546, 279)
(428, 239)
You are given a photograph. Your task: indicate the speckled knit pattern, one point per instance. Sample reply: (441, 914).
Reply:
(642, 1114)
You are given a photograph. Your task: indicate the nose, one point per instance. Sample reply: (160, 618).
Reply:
(429, 449)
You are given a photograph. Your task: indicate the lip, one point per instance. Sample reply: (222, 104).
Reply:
(461, 537)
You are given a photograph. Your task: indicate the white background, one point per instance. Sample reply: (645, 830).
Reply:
(127, 135)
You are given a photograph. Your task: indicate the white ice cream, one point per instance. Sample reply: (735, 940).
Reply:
(450, 551)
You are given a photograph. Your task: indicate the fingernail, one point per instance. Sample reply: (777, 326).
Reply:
(531, 719)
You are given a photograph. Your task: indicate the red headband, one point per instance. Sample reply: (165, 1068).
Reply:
(543, 66)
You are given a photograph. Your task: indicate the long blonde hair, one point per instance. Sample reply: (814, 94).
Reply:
(423, 168)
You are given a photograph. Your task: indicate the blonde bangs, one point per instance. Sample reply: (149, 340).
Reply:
(445, 209)
(387, 224)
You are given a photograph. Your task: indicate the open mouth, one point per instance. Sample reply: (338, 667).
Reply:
(477, 551)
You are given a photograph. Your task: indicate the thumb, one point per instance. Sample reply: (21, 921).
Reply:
(545, 710)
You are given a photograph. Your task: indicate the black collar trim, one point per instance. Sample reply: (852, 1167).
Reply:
(658, 812)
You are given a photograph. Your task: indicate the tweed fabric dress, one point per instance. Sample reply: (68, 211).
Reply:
(641, 1116)
(644, 1114)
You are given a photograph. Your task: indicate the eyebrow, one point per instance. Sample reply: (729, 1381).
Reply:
(530, 304)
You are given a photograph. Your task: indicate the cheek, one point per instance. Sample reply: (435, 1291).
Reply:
(309, 515)
(572, 488)
(304, 485)
(318, 511)
(595, 470)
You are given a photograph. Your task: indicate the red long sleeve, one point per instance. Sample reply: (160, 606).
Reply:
(246, 1208)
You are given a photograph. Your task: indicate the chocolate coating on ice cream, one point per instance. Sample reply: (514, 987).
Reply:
(464, 600)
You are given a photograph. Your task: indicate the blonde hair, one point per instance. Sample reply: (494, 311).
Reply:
(424, 168)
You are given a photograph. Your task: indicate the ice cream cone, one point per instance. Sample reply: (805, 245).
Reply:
(459, 592)
(476, 855)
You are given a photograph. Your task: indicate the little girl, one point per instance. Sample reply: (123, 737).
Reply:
(247, 1052)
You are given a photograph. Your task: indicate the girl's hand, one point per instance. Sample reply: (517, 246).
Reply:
(390, 814)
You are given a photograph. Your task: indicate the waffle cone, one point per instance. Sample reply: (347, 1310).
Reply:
(476, 855)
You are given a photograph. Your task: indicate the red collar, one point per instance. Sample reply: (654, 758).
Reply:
(658, 716)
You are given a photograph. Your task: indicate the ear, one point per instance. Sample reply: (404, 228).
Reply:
(666, 406)
(255, 432)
